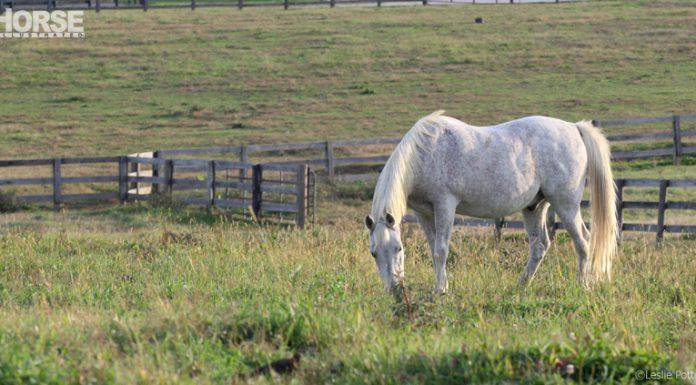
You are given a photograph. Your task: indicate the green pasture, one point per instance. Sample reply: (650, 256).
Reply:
(140, 81)
(157, 296)
(162, 294)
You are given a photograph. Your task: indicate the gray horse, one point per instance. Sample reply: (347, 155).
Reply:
(443, 166)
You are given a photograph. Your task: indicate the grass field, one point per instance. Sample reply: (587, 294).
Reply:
(142, 295)
(154, 294)
(175, 78)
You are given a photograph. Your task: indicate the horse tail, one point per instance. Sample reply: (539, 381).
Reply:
(604, 230)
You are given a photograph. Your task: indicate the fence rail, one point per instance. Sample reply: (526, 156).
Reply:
(245, 190)
(661, 205)
(99, 5)
(330, 161)
(283, 186)
(678, 149)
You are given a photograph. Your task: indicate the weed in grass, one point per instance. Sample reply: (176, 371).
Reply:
(9, 202)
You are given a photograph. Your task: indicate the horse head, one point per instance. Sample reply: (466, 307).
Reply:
(387, 250)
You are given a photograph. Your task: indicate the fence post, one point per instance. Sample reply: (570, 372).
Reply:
(244, 158)
(379, 3)
(333, 3)
(301, 185)
(256, 194)
(155, 172)
(48, 5)
(241, 4)
(676, 129)
(193, 5)
(98, 6)
(134, 167)
(328, 152)
(210, 185)
(145, 5)
(285, 4)
(661, 211)
(497, 231)
(57, 194)
(425, 2)
(169, 176)
(619, 206)
(122, 179)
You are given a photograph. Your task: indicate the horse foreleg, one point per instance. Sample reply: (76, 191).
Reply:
(535, 224)
(427, 223)
(443, 220)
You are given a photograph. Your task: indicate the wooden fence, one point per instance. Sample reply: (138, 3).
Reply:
(99, 5)
(676, 134)
(330, 161)
(257, 189)
(286, 186)
(661, 206)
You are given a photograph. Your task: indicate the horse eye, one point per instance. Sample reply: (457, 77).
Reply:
(398, 249)
(374, 255)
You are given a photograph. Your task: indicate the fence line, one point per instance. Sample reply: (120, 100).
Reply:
(329, 162)
(676, 135)
(262, 187)
(144, 5)
(262, 193)
(659, 228)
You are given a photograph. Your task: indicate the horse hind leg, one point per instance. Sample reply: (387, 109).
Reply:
(573, 223)
(539, 242)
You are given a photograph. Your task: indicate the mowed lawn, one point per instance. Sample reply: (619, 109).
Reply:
(141, 81)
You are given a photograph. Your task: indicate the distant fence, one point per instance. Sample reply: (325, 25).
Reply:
(253, 189)
(661, 205)
(676, 134)
(330, 161)
(286, 186)
(144, 5)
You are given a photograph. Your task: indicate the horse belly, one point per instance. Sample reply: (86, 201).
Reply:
(498, 205)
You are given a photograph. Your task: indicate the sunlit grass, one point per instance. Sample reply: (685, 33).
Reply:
(189, 302)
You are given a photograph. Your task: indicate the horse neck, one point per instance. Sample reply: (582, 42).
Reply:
(393, 187)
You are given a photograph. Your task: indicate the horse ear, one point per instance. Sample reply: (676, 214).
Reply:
(369, 222)
(390, 220)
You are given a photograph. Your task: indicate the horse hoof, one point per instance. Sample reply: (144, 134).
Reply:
(523, 282)
(440, 291)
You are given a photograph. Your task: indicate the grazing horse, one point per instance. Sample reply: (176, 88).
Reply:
(443, 166)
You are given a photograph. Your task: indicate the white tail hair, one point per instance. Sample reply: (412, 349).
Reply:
(604, 230)
(396, 179)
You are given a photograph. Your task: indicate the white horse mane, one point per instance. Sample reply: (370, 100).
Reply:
(396, 179)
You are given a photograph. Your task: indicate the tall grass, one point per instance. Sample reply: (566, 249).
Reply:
(211, 303)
